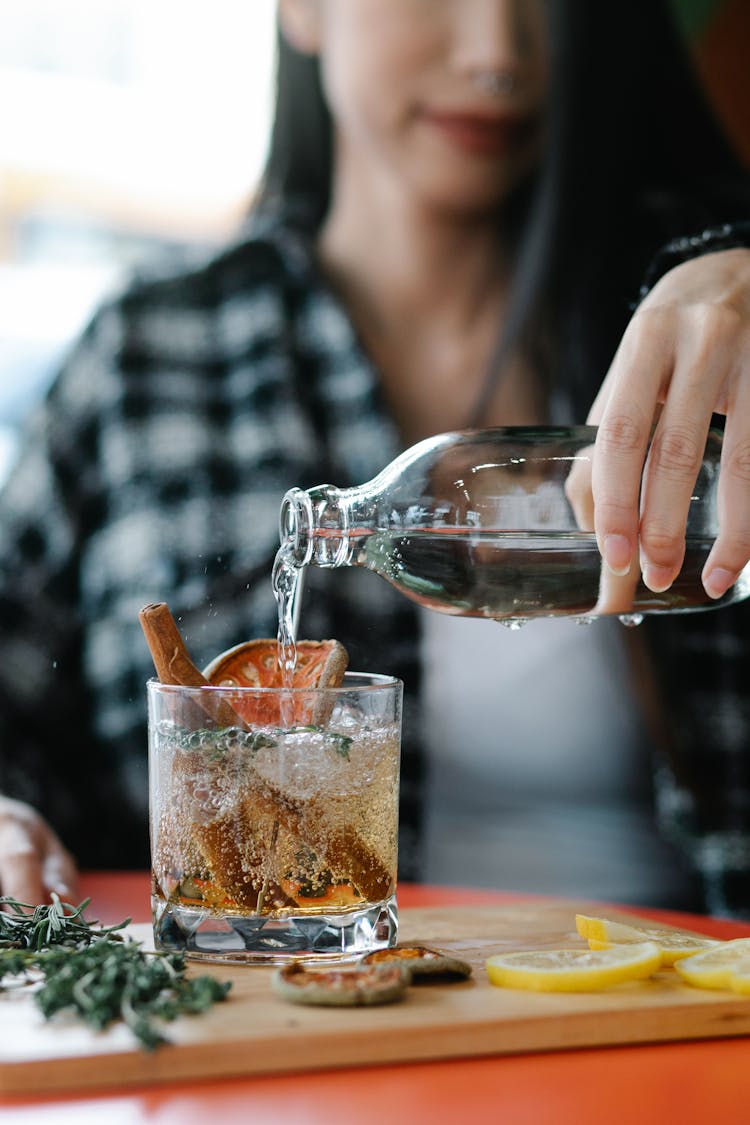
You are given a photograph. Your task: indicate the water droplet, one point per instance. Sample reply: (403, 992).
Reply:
(631, 619)
(512, 623)
(585, 619)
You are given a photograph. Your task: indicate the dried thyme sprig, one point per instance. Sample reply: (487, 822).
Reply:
(97, 972)
(23, 926)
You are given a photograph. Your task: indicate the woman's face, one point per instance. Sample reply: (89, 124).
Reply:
(442, 99)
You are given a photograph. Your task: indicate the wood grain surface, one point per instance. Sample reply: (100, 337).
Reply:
(256, 1032)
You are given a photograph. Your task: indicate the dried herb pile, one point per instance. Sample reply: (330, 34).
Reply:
(95, 971)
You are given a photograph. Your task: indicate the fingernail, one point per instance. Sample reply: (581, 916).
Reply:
(657, 578)
(617, 554)
(717, 581)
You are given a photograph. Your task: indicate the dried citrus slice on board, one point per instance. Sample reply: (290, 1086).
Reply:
(574, 970)
(716, 968)
(421, 962)
(254, 664)
(346, 987)
(603, 933)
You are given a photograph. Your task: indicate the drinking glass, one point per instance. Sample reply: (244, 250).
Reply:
(274, 819)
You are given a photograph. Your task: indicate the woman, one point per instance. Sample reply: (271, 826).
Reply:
(459, 206)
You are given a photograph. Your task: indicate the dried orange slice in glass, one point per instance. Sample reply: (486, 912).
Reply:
(254, 664)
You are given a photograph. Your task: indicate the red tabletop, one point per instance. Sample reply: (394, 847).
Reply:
(689, 1082)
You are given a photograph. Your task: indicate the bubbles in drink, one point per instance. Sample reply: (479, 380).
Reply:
(276, 821)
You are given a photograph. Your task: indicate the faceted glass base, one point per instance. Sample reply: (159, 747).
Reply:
(254, 939)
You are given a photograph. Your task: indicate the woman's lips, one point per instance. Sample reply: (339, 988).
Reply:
(480, 133)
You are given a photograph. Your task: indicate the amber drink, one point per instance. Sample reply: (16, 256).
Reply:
(274, 819)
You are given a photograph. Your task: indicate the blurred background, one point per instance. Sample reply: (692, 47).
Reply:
(132, 127)
(129, 128)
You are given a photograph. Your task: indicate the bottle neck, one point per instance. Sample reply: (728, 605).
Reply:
(315, 524)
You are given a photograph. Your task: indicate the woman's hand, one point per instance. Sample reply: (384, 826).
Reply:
(686, 351)
(33, 861)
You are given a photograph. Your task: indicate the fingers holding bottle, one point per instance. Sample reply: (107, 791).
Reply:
(624, 412)
(683, 357)
(730, 552)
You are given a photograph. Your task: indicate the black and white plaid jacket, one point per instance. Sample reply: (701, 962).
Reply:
(154, 471)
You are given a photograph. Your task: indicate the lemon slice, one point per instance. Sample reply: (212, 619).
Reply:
(574, 970)
(718, 968)
(740, 981)
(603, 933)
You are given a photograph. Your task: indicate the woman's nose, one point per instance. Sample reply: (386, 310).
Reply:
(496, 36)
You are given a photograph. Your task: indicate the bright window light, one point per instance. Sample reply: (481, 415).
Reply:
(157, 108)
(126, 125)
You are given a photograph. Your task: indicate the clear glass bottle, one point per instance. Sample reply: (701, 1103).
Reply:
(495, 523)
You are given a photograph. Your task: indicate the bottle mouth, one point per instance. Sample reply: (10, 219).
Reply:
(295, 524)
(314, 526)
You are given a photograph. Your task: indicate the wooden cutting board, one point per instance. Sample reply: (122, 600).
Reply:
(256, 1032)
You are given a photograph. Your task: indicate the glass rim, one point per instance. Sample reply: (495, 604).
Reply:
(353, 681)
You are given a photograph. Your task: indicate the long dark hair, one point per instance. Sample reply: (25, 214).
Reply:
(635, 157)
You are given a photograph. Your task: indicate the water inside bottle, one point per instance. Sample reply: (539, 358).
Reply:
(511, 577)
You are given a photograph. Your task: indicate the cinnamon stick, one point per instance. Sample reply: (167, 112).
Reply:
(171, 659)
(174, 666)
